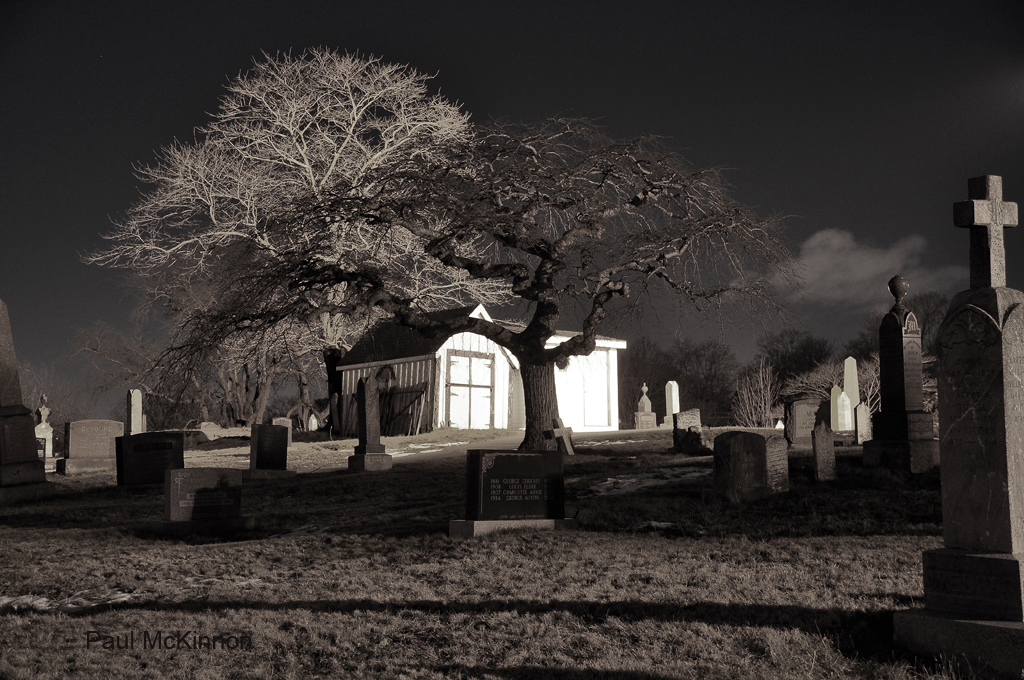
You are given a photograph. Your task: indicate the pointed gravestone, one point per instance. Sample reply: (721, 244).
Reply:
(837, 417)
(135, 420)
(645, 420)
(845, 413)
(22, 473)
(902, 432)
(851, 384)
(369, 452)
(974, 586)
(671, 402)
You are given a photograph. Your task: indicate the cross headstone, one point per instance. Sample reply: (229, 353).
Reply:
(974, 586)
(369, 452)
(986, 215)
(671, 401)
(135, 425)
(562, 435)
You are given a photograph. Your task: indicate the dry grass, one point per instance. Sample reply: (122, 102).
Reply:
(800, 585)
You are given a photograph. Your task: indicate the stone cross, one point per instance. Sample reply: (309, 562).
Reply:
(562, 435)
(986, 214)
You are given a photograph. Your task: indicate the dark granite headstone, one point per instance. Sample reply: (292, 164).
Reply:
(268, 447)
(510, 489)
(974, 587)
(90, 446)
(902, 432)
(203, 500)
(143, 458)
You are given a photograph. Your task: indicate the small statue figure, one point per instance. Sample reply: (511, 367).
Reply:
(43, 412)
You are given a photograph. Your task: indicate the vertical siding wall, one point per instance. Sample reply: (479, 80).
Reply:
(407, 406)
(471, 342)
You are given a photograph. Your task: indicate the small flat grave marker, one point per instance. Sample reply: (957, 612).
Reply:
(512, 489)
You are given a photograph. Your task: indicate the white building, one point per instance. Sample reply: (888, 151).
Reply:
(468, 381)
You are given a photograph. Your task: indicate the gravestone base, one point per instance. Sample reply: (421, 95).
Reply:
(23, 472)
(228, 525)
(459, 528)
(973, 584)
(370, 462)
(990, 649)
(73, 466)
(914, 456)
(26, 492)
(261, 474)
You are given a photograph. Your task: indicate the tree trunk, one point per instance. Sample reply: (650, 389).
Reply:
(541, 405)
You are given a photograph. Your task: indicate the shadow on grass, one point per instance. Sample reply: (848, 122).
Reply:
(545, 673)
(856, 633)
(420, 498)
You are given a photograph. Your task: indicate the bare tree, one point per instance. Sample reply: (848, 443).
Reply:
(706, 372)
(557, 213)
(642, 362)
(818, 382)
(791, 352)
(218, 212)
(757, 391)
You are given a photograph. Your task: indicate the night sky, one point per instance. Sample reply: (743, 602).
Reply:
(861, 121)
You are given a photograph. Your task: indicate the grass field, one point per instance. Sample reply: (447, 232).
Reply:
(353, 575)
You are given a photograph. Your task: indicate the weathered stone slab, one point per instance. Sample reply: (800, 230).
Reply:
(824, 453)
(143, 458)
(976, 585)
(90, 446)
(801, 416)
(748, 467)
(862, 423)
(981, 402)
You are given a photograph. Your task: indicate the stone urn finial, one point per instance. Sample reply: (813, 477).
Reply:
(899, 286)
